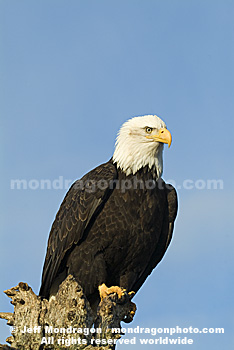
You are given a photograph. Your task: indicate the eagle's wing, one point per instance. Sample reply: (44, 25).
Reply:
(172, 212)
(165, 236)
(80, 205)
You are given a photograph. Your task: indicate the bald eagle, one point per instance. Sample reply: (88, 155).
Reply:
(115, 224)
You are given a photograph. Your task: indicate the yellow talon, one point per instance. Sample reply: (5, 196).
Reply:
(104, 291)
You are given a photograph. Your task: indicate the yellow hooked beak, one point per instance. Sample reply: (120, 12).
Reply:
(163, 136)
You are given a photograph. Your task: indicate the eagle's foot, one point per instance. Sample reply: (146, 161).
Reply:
(116, 302)
(122, 294)
(104, 291)
(131, 294)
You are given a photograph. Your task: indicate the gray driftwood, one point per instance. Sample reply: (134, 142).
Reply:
(34, 318)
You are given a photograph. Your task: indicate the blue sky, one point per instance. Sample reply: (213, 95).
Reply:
(71, 73)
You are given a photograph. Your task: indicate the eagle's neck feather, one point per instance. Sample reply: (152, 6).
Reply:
(130, 158)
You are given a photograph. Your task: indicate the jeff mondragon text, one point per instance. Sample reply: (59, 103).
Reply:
(135, 330)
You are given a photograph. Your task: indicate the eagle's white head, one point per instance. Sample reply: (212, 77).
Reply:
(140, 143)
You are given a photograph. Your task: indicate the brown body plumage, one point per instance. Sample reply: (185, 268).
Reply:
(112, 236)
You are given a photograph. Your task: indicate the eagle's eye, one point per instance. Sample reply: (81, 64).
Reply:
(148, 129)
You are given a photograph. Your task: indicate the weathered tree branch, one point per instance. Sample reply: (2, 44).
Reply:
(65, 320)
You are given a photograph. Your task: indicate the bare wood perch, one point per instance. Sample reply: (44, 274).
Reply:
(34, 318)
